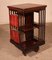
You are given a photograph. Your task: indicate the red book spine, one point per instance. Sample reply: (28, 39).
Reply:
(16, 21)
(12, 20)
(15, 36)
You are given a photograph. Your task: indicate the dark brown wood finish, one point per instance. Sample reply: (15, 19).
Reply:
(27, 10)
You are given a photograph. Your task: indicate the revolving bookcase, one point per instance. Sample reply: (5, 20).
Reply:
(22, 26)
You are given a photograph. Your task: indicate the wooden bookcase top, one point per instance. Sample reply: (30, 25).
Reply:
(27, 7)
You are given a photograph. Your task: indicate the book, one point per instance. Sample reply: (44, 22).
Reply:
(14, 21)
(14, 36)
(21, 20)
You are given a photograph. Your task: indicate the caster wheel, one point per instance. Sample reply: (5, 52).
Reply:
(36, 49)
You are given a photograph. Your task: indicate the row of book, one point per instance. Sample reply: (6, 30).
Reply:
(15, 22)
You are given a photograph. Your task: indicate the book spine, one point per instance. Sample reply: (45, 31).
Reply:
(21, 20)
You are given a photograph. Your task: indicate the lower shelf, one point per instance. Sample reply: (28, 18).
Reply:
(25, 28)
(26, 46)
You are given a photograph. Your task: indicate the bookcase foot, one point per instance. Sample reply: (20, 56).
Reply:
(24, 53)
(36, 49)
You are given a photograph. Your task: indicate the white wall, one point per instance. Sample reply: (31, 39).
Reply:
(4, 17)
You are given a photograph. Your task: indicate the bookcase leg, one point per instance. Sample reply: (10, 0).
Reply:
(36, 49)
(24, 53)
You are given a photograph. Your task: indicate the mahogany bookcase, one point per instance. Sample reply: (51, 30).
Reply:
(27, 12)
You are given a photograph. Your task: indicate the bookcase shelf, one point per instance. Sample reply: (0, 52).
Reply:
(22, 22)
(28, 28)
(25, 29)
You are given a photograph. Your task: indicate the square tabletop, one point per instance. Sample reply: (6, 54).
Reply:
(27, 7)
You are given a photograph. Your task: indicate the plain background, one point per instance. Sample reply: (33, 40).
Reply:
(4, 13)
